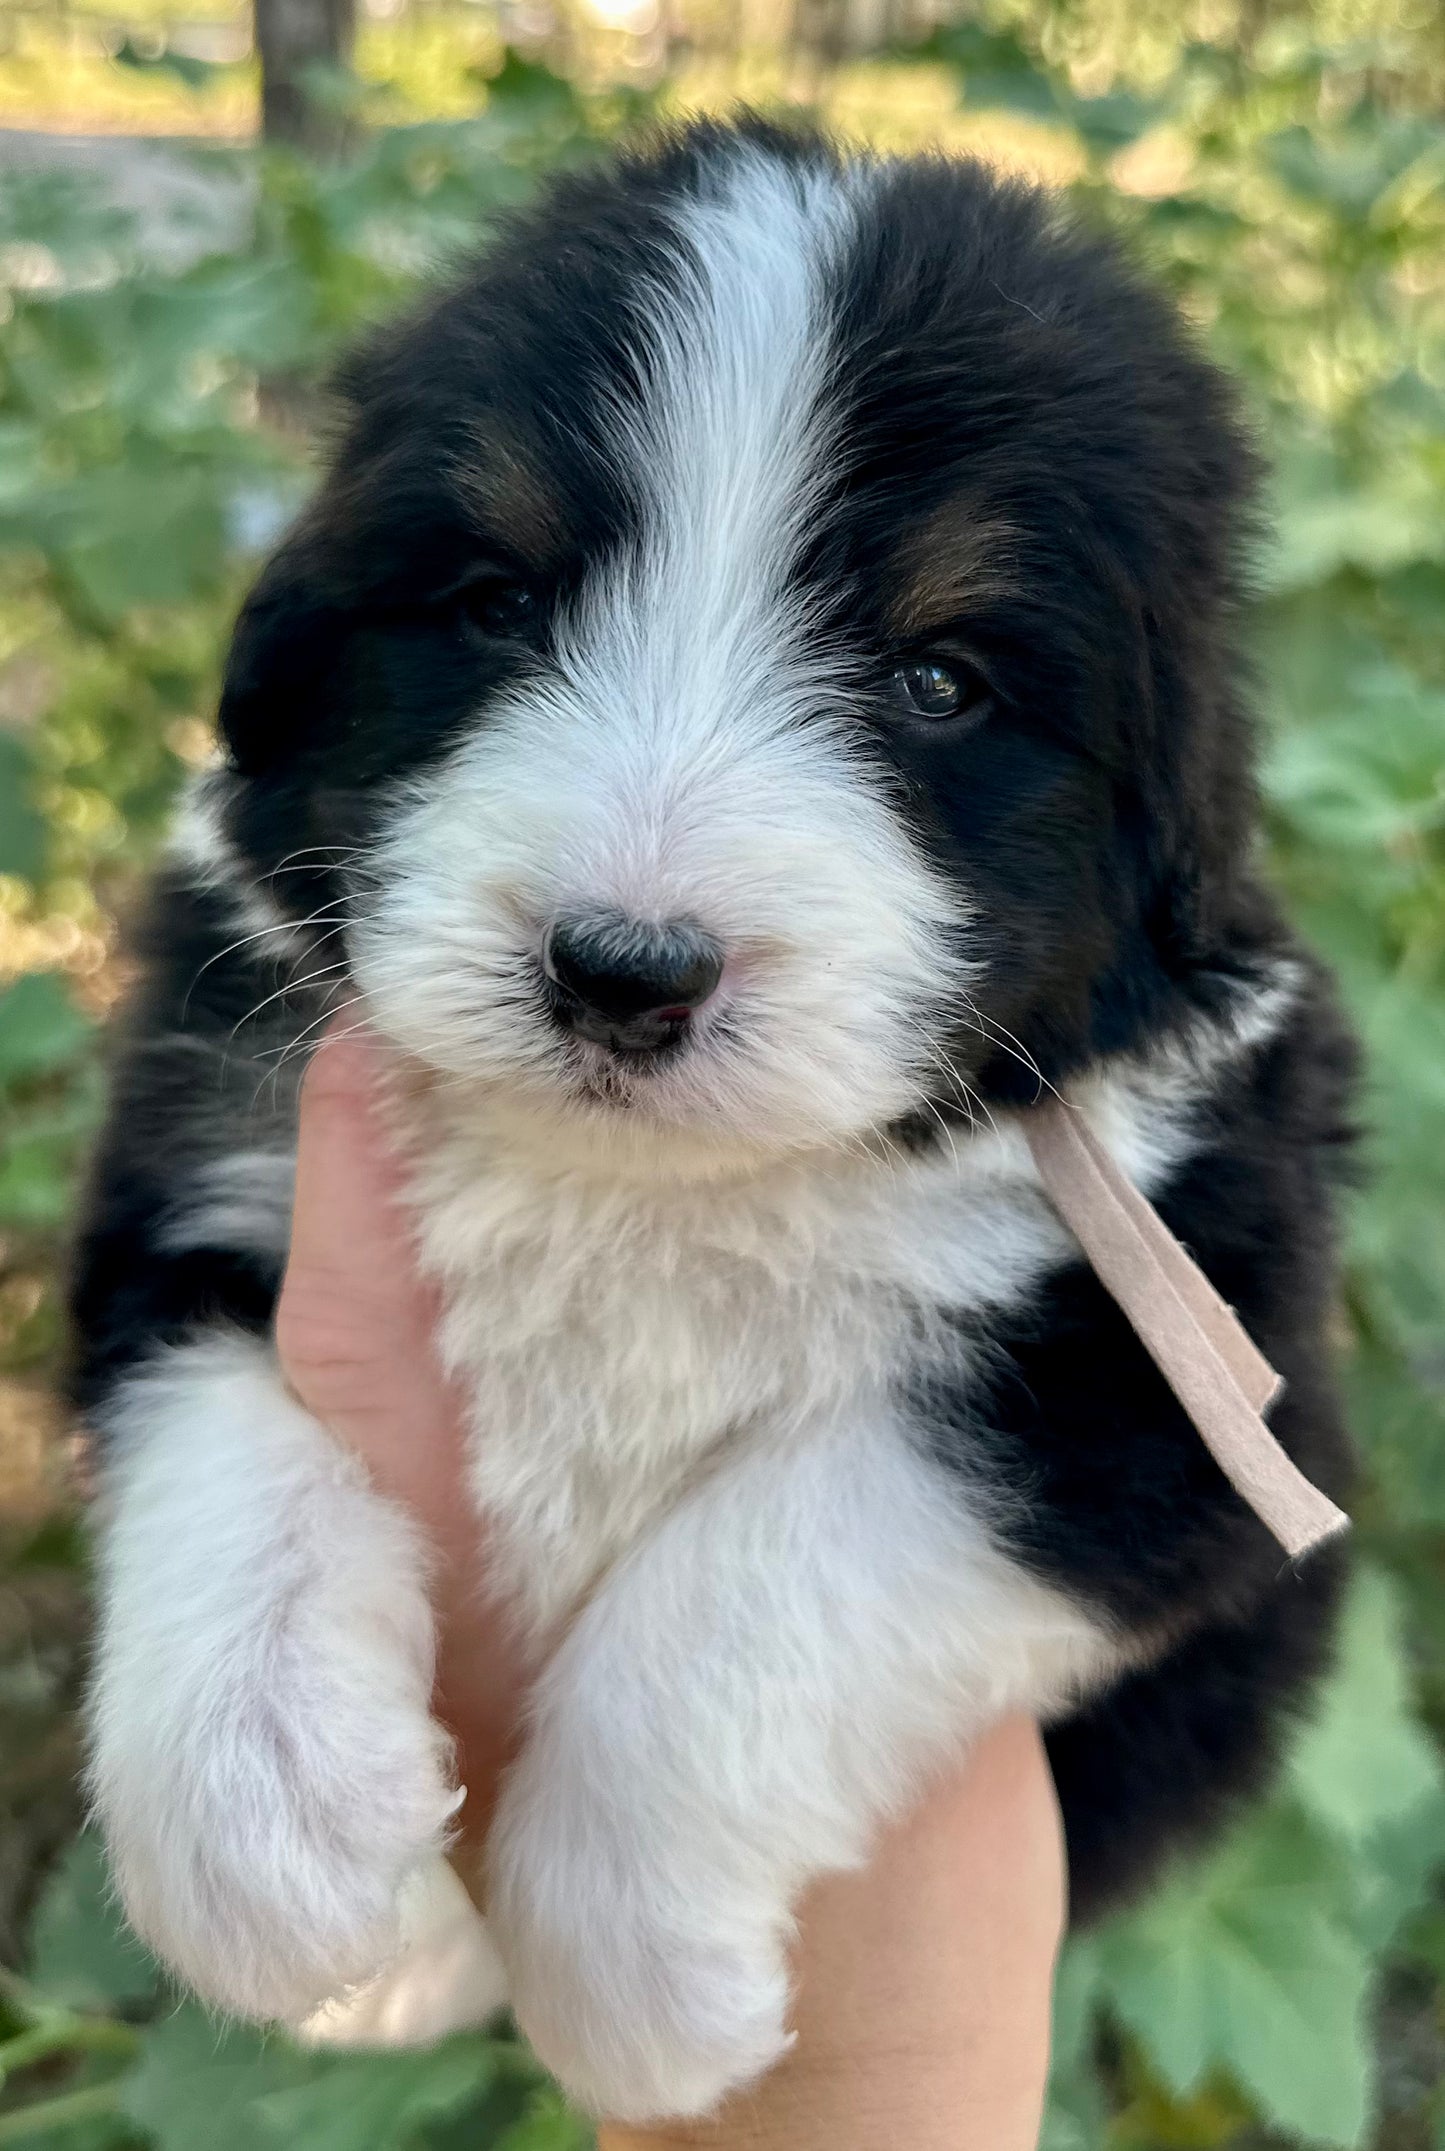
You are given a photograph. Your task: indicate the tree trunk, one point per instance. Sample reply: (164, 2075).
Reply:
(293, 36)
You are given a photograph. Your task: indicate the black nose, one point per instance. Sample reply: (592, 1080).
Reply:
(627, 984)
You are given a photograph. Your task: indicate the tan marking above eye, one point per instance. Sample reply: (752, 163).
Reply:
(503, 492)
(959, 560)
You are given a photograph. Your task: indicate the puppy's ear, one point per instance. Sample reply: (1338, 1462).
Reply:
(283, 656)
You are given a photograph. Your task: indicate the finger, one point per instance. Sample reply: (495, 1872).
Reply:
(348, 1225)
(354, 1324)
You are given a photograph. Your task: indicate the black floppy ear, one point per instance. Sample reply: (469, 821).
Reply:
(283, 654)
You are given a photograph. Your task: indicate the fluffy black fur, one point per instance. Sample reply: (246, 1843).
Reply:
(1002, 370)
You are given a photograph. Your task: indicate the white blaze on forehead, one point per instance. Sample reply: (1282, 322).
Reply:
(733, 436)
(694, 628)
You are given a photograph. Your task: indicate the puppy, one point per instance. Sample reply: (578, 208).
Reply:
(755, 706)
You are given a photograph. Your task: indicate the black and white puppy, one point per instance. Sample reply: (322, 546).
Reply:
(756, 700)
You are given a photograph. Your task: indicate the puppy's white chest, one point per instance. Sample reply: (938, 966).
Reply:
(599, 1380)
(613, 1338)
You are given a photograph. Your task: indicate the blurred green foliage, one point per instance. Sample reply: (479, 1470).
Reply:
(154, 411)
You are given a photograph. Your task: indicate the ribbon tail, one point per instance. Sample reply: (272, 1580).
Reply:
(1193, 1336)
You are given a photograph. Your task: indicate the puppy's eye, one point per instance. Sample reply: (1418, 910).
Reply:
(497, 606)
(932, 691)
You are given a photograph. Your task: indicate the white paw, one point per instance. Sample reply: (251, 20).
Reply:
(446, 1976)
(647, 1988)
(262, 1850)
(263, 1759)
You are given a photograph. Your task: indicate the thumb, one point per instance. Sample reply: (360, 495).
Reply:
(354, 1322)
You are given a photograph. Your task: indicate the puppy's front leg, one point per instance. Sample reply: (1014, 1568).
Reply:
(263, 1760)
(747, 1696)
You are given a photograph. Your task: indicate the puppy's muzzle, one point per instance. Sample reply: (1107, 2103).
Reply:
(627, 984)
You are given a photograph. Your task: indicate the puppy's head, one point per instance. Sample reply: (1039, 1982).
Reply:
(760, 668)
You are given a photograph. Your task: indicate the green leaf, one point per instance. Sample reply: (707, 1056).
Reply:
(81, 1952)
(530, 91)
(1250, 1967)
(1365, 1762)
(1076, 2114)
(22, 830)
(1075, 2117)
(1394, 1876)
(1076, 1997)
(548, 2125)
(140, 539)
(200, 2083)
(195, 74)
(1111, 122)
(38, 1162)
(997, 69)
(76, 2120)
(41, 1029)
(375, 2102)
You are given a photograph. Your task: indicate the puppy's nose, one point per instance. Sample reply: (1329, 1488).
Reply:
(628, 984)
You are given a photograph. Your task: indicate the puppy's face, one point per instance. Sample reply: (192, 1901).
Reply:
(756, 674)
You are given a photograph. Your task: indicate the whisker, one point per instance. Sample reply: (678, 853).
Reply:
(282, 926)
(293, 1047)
(292, 985)
(317, 851)
(973, 1098)
(300, 868)
(314, 858)
(947, 1132)
(1000, 1035)
(965, 1095)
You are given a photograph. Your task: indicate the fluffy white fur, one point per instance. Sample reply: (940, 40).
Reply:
(446, 1976)
(263, 1761)
(201, 848)
(242, 1202)
(618, 1335)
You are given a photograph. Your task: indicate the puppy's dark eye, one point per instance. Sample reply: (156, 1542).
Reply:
(924, 688)
(497, 606)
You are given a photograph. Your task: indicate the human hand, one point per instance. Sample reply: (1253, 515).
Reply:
(923, 1983)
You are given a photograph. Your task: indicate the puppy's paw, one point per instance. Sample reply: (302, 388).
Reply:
(263, 1759)
(261, 1849)
(646, 1987)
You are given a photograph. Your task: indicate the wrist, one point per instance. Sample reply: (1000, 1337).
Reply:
(807, 2105)
(923, 1982)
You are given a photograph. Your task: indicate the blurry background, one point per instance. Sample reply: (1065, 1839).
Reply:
(171, 290)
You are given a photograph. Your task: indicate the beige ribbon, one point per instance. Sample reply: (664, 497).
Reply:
(1196, 1340)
